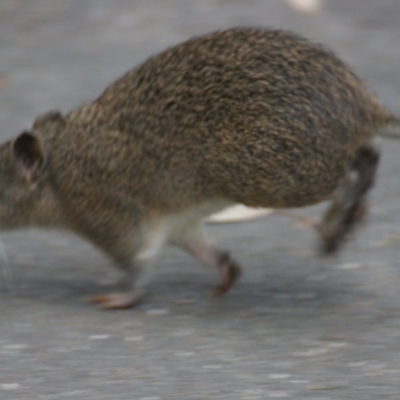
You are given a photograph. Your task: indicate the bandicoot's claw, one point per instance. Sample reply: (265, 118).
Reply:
(230, 273)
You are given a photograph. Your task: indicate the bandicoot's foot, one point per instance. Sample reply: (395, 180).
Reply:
(334, 233)
(116, 301)
(230, 273)
(349, 201)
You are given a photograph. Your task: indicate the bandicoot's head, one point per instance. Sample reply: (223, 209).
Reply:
(23, 177)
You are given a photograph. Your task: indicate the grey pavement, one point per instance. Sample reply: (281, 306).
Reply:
(296, 326)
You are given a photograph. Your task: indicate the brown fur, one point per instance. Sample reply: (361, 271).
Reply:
(253, 116)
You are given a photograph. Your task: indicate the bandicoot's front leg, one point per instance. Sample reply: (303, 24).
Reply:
(132, 287)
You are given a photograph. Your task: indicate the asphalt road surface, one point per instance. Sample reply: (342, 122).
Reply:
(296, 326)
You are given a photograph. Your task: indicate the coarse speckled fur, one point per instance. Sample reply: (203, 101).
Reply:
(247, 115)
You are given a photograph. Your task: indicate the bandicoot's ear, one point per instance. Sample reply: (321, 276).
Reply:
(28, 152)
(53, 116)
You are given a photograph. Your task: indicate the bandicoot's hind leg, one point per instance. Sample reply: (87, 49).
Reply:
(349, 201)
(193, 239)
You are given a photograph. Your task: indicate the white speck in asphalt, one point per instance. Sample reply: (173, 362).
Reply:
(157, 311)
(134, 338)
(184, 354)
(338, 345)
(278, 376)
(311, 352)
(10, 386)
(306, 6)
(183, 332)
(14, 346)
(150, 398)
(212, 366)
(186, 301)
(349, 266)
(277, 394)
(99, 337)
(306, 296)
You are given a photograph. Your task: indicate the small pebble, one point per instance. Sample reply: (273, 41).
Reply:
(311, 352)
(3, 80)
(387, 241)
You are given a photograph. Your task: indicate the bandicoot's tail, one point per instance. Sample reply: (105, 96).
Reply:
(391, 129)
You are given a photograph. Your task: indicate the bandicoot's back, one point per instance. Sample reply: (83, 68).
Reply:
(263, 117)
